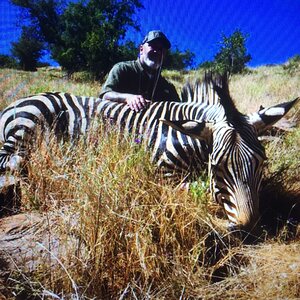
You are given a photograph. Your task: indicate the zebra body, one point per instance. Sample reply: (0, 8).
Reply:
(71, 116)
(171, 149)
(67, 115)
(182, 137)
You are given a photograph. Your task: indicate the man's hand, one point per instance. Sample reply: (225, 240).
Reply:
(136, 102)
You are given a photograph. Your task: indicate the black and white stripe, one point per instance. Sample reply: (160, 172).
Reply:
(235, 154)
(67, 115)
(183, 137)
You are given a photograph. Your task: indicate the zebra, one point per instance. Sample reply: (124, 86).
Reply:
(182, 137)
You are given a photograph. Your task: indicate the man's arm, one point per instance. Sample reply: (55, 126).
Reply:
(117, 78)
(135, 102)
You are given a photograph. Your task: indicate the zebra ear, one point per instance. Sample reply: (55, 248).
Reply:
(194, 129)
(266, 117)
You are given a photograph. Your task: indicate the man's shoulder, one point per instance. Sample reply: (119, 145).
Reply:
(126, 65)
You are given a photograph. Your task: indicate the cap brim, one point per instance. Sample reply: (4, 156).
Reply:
(166, 44)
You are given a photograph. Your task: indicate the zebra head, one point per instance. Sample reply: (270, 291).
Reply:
(236, 155)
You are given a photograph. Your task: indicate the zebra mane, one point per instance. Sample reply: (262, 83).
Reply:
(211, 90)
(221, 87)
(233, 116)
(200, 91)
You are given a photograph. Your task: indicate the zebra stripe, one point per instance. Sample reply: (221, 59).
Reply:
(170, 149)
(183, 137)
(70, 116)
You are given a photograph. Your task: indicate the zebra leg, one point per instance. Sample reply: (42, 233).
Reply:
(12, 154)
(10, 161)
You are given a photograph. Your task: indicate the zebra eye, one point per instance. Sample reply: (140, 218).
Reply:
(220, 198)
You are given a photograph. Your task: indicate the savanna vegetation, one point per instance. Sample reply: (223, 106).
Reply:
(100, 28)
(118, 230)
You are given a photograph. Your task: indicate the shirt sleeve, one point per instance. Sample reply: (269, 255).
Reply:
(112, 82)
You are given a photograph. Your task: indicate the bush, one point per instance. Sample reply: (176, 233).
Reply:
(28, 50)
(292, 65)
(7, 61)
(232, 56)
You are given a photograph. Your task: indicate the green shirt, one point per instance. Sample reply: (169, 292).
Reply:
(130, 77)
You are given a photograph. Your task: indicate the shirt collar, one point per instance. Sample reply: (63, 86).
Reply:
(140, 65)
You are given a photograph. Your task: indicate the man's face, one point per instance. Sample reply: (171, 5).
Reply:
(152, 54)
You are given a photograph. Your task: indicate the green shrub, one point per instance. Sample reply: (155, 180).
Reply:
(292, 65)
(7, 61)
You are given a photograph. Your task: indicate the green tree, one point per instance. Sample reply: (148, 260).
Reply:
(177, 60)
(89, 35)
(7, 61)
(28, 50)
(44, 16)
(232, 56)
(99, 28)
(85, 35)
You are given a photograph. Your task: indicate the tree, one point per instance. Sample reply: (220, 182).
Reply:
(99, 27)
(44, 16)
(177, 60)
(89, 35)
(232, 56)
(85, 35)
(7, 61)
(29, 49)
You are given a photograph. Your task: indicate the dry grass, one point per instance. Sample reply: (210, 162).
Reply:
(15, 84)
(264, 86)
(135, 232)
(130, 234)
(272, 271)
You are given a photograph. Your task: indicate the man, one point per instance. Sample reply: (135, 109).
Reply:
(139, 82)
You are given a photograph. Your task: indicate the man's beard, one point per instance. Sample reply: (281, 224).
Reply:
(152, 62)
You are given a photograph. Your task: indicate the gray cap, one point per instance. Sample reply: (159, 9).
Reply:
(157, 35)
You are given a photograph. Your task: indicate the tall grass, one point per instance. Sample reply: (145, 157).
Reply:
(286, 165)
(264, 86)
(15, 84)
(136, 234)
(122, 231)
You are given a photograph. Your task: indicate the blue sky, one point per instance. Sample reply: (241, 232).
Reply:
(273, 26)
